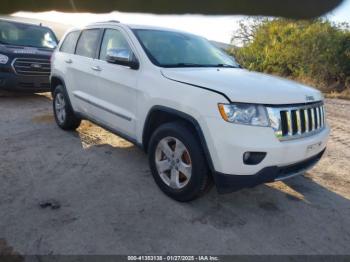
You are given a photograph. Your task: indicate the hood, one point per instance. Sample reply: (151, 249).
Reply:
(22, 51)
(241, 85)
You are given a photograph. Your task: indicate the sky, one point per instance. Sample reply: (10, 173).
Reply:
(341, 13)
(217, 28)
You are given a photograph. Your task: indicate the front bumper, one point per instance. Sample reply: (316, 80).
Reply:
(228, 142)
(12, 82)
(230, 183)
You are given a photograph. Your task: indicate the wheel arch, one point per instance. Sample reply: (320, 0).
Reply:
(159, 115)
(56, 81)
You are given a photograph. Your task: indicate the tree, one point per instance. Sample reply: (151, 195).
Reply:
(313, 51)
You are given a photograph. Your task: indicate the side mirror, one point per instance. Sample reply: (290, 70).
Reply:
(123, 57)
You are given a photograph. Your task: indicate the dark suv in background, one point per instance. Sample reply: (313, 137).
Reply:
(25, 53)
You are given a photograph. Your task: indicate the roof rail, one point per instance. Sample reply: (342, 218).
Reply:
(109, 21)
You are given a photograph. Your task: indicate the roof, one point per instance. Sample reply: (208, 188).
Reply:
(21, 23)
(135, 26)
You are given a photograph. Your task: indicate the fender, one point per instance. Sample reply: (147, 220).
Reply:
(59, 78)
(64, 87)
(180, 115)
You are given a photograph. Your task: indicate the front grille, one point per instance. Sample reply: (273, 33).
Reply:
(32, 66)
(298, 121)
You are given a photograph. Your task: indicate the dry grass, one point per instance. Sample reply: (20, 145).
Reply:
(342, 95)
(329, 91)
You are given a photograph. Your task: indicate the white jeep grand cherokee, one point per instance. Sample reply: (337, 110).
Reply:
(200, 117)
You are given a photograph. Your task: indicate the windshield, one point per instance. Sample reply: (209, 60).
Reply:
(174, 49)
(26, 35)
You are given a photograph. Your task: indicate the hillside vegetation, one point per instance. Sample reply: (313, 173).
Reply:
(315, 52)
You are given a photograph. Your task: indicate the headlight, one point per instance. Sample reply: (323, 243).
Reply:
(245, 114)
(3, 59)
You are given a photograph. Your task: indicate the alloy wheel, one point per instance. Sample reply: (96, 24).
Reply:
(60, 108)
(173, 162)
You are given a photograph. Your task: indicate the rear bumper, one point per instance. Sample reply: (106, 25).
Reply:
(229, 183)
(13, 82)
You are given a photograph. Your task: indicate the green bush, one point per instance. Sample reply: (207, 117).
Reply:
(316, 52)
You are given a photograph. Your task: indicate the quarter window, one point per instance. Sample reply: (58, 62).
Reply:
(88, 43)
(69, 43)
(113, 39)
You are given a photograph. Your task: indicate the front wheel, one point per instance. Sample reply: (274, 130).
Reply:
(64, 114)
(178, 163)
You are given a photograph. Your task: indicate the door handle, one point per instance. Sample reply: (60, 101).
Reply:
(69, 61)
(96, 68)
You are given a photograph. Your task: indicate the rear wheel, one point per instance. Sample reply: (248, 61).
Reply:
(178, 163)
(63, 112)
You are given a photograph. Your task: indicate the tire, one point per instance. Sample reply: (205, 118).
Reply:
(63, 112)
(183, 187)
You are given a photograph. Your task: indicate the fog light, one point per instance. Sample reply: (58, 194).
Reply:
(253, 158)
(3, 59)
(246, 156)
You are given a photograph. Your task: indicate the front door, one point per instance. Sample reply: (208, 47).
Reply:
(117, 87)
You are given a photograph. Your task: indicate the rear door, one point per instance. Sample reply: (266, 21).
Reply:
(84, 74)
(64, 59)
(117, 86)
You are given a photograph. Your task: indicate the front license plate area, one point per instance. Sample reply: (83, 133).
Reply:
(313, 149)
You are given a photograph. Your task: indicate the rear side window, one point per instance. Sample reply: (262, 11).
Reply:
(69, 43)
(88, 43)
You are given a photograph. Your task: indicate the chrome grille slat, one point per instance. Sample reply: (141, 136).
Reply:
(29, 66)
(289, 123)
(24, 66)
(30, 72)
(30, 62)
(306, 121)
(297, 121)
(322, 115)
(313, 119)
(319, 117)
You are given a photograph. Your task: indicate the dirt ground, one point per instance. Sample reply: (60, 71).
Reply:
(90, 192)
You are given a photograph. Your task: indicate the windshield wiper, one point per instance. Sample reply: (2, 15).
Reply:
(186, 65)
(226, 65)
(200, 65)
(38, 47)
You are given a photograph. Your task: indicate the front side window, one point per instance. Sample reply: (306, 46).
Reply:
(113, 39)
(88, 43)
(70, 42)
(175, 49)
(18, 34)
